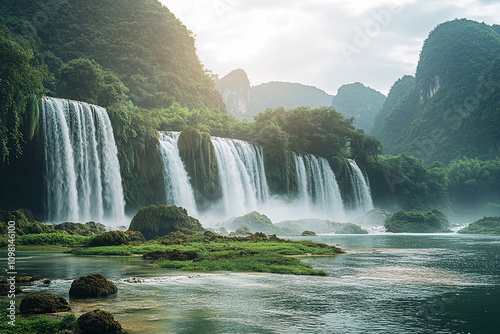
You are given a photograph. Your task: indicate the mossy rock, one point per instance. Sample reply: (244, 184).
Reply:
(308, 233)
(5, 289)
(92, 286)
(39, 304)
(254, 221)
(135, 236)
(25, 223)
(112, 238)
(98, 322)
(89, 228)
(485, 225)
(350, 228)
(153, 221)
(434, 221)
(198, 154)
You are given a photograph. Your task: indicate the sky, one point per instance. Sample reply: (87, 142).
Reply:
(321, 43)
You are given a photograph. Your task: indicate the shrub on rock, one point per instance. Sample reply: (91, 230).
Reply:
(160, 220)
(92, 286)
(38, 304)
(112, 238)
(98, 322)
(86, 229)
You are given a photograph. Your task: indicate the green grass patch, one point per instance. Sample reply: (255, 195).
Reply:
(256, 253)
(42, 325)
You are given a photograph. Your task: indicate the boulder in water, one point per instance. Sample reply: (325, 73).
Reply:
(153, 221)
(92, 286)
(98, 322)
(351, 228)
(38, 304)
(308, 233)
(254, 221)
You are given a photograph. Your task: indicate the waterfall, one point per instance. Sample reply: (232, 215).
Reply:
(177, 186)
(241, 175)
(82, 173)
(362, 195)
(317, 187)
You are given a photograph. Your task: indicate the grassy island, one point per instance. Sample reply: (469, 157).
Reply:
(191, 251)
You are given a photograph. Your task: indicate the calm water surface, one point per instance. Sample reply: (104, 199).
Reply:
(384, 284)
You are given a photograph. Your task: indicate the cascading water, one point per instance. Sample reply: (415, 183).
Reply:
(241, 174)
(82, 173)
(317, 186)
(362, 194)
(177, 186)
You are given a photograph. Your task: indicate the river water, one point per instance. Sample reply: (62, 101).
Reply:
(385, 283)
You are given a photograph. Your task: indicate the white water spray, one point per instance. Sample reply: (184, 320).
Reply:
(177, 186)
(82, 173)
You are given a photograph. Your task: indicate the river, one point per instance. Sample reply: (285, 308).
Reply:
(385, 283)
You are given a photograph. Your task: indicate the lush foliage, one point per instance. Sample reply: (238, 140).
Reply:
(198, 154)
(258, 253)
(160, 220)
(417, 222)
(22, 77)
(41, 325)
(84, 80)
(451, 109)
(141, 41)
(24, 223)
(485, 225)
(112, 238)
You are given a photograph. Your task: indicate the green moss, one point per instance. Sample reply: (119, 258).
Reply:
(198, 154)
(112, 238)
(281, 173)
(485, 225)
(417, 222)
(25, 222)
(195, 252)
(160, 220)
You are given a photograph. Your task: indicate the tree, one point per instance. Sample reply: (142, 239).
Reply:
(85, 80)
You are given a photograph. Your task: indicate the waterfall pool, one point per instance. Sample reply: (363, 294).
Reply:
(385, 283)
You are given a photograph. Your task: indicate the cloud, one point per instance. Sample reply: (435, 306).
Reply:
(306, 41)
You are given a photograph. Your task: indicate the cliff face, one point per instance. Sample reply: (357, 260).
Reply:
(235, 91)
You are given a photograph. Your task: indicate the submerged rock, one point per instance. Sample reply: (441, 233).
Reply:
(92, 286)
(38, 304)
(98, 322)
(5, 289)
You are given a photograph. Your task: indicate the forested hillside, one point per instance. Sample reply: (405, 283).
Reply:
(452, 107)
(142, 42)
(358, 101)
